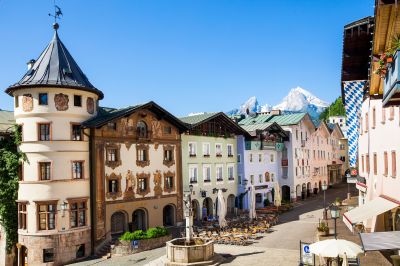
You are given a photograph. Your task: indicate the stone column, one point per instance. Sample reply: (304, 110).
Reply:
(19, 254)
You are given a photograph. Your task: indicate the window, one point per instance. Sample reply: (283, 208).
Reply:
(362, 163)
(394, 172)
(169, 182)
(78, 100)
(230, 150)
(167, 130)
(44, 171)
(48, 255)
(373, 117)
(206, 173)
(230, 172)
(192, 149)
(297, 134)
(16, 101)
(21, 171)
(112, 155)
(193, 173)
(44, 131)
(259, 158)
(142, 155)
(112, 125)
(47, 216)
(219, 172)
(251, 157)
(143, 185)
(239, 158)
(77, 214)
(43, 99)
(391, 112)
(113, 186)
(22, 214)
(141, 128)
(271, 158)
(367, 162)
(80, 251)
(76, 132)
(260, 178)
(383, 115)
(168, 155)
(240, 179)
(366, 122)
(218, 150)
(77, 170)
(206, 149)
(385, 162)
(272, 177)
(252, 179)
(375, 164)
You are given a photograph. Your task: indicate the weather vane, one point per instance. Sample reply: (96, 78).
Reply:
(57, 14)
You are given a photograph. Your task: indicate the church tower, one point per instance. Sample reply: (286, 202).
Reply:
(51, 101)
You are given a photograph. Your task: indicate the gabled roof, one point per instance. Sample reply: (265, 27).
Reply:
(289, 119)
(55, 67)
(254, 127)
(324, 125)
(106, 115)
(196, 120)
(335, 128)
(7, 120)
(255, 120)
(268, 126)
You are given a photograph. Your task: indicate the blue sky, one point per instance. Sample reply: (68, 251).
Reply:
(187, 55)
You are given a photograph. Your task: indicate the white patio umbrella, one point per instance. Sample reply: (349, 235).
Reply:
(252, 201)
(221, 209)
(277, 195)
(332, 248)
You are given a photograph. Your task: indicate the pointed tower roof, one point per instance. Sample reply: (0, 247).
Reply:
(55, 67)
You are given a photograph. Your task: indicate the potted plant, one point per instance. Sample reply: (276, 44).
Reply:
(338, 201)
(323, 229)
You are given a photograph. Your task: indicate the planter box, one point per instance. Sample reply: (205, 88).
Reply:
(123, 248)
(391, 83)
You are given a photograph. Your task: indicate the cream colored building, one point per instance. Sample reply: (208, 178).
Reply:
(51, 101)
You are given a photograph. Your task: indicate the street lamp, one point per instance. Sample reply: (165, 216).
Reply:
(334, 215)
(324, 188)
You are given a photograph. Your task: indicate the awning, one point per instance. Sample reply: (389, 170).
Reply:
(368, 210)
(381, 241)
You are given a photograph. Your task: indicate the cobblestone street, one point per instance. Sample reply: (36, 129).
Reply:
(280, 247)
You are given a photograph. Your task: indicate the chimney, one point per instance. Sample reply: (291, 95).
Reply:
(30, 64)
(275, 112)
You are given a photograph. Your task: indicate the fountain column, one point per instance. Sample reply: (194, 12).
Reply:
(189, 215)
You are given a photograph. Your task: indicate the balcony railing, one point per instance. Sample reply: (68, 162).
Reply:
(391, 83)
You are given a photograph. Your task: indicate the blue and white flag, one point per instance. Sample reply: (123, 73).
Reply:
(353, 97)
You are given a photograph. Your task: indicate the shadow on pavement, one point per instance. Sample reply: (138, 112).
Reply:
(229, 257)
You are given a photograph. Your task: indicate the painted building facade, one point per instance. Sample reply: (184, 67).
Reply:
(379, 129)
(136, 155)
(51, 101)
(261, 162)
(209, 161)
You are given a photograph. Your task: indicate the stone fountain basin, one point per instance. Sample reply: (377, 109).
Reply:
(199, 250)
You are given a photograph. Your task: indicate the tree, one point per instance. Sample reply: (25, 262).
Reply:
(335, 109)
(10, 159)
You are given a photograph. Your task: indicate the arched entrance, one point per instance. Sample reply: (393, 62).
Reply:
(118, 223)
(298, 191)
(230, 204)
(308, 189)
(207, 208)
(169, 215)
(303, 191)
(196, 210)
(286, 193)
(139, 220)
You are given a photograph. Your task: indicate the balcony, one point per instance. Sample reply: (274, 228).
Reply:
(391, 83)
(263, 145)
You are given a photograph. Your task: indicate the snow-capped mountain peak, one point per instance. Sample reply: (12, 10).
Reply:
(298, 100)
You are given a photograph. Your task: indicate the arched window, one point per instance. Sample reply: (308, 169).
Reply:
(141, 128)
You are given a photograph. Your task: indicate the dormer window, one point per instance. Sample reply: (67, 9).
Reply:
(78, 100)
(141, 128)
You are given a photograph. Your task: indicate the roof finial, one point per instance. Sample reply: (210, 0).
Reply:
(57, 14)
